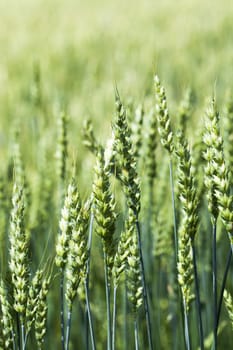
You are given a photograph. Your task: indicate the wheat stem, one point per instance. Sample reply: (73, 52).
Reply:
(68, 328)
(62, 323)
(114, 317)
(145, 294)
(223, 285)
(86, 286)
(197, 293)
(186, 326)
(88, 310)
(214, 277)
(107, 292)
(136, 334)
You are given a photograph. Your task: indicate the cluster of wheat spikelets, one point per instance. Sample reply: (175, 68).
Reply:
(149, 239)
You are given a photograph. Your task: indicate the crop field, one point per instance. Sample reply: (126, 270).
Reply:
(116, 178)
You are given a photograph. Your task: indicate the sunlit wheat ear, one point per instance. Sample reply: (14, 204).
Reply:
(41, 312)
(77, 255)
(220, 181)
(6, 317)
(126, 158)
(164, 124)
(212, 141)
(33, 295)
(229, 305)
(62, 143)
(188, 228)
(123, 248)
(133, 267)
(18, 255)
(69, 213)
(187, 185)
(104, 208)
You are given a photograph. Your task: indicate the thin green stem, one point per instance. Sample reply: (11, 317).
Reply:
(173, 208)
(136, 334)
(197, 293)
(25, 342)
(114, 317)
(22, 335)
(68, 328)
(145, 294)
(223, 285)
(13, 339)
(88, 309)
(125, 313)
(107, 291)
(86, 286)
(62, 323)
(186, 327)
(18, 330)
(214, 277)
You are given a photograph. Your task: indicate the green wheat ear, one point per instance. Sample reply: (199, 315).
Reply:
(42, 312)
(6, 317)
(220, 199)
(164, 124)
(188, 228)
(126, 158)
(77, 255)
(133, 267)
(213, 143)
(19, 253)
(104, 208)
(229, 305)
(69, 213)
(33, 294)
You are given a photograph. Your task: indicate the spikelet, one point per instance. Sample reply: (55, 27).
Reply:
(6, 317)
(188, 228)
(126, 159)
(33, 295)
(77, 255)
(104, 208)
(164, 124)
(229, 305)
(41, 313)
(212, 141)
(19, 260)
(123, 248)
(69, 214)
(133, 270)
(223, 200)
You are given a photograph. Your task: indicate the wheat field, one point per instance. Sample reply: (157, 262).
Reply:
(116, 181)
